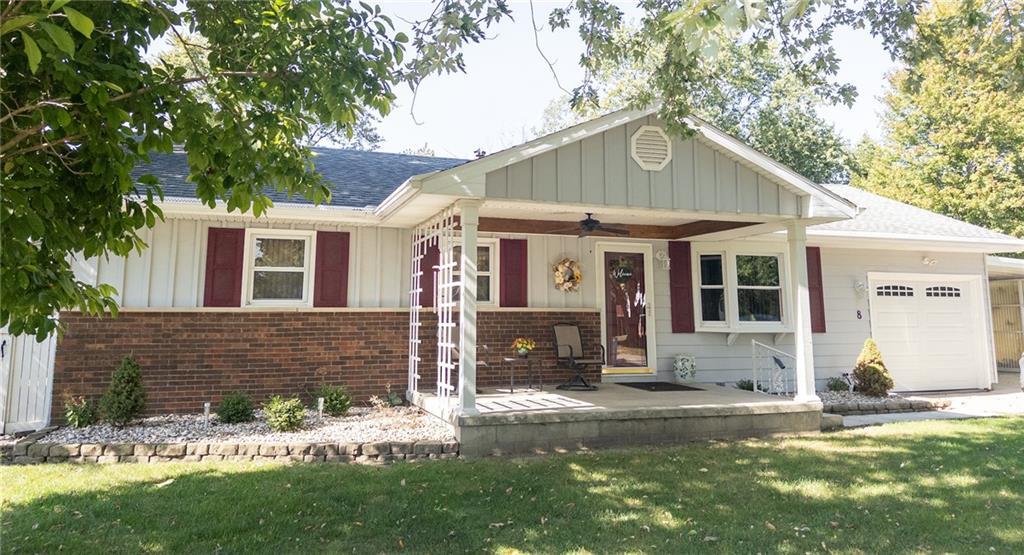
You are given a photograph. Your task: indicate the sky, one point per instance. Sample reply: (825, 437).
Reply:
(507, 85)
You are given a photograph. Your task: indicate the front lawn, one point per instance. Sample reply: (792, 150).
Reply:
(918, 487)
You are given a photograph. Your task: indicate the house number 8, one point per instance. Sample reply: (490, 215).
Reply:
(859, 315)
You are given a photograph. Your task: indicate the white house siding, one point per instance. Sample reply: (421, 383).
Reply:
(171, 271)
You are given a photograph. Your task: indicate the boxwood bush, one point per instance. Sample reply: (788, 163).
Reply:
(284, 415)
(236, 407)
(336, 400)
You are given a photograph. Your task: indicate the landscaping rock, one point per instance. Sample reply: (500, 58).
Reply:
(376, 448)
(171, 450)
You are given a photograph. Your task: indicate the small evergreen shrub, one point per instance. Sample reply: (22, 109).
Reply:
(125, 398)
(336, 400)
(870, 376)
(837, 384)
(284, 415)
(79, 411)
(236, 407)
(747, 385)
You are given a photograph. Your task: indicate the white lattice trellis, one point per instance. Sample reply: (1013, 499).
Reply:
(439, 231)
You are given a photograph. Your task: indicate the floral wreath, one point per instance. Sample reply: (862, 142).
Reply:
(568, 275)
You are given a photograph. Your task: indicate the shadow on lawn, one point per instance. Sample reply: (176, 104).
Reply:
(960, 489)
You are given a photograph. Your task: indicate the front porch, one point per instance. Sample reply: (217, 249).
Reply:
(549, 420)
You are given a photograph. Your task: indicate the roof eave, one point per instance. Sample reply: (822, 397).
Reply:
(184, 207)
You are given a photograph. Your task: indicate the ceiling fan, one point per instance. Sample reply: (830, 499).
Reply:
(589, 225)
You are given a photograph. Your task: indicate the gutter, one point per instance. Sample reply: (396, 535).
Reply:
(181, 206)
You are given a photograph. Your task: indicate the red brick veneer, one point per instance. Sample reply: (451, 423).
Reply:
(191, 357)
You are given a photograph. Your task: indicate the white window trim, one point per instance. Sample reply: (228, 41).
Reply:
(732, 323)
(494, 272)
(251, 234)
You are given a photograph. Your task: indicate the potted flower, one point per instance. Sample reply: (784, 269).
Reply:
(523, 345)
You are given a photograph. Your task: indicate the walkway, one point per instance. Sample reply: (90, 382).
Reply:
(1005, 399)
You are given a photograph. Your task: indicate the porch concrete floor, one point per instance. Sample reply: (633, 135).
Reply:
(616, 415)
(615, 397)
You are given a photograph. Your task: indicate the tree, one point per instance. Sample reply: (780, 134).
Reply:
(424, 150)
(755, 97)
(954, 118)
(81, 107)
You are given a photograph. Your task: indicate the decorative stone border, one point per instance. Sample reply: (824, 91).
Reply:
(887, 406)
(29, 450)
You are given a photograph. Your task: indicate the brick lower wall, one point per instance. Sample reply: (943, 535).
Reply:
(191, 357)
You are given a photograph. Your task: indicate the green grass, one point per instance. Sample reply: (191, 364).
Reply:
(915, 487)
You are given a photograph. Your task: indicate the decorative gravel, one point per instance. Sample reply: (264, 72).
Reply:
(835, 397)
(361, 425)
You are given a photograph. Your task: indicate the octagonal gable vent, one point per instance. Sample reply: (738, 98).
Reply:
(651, 148)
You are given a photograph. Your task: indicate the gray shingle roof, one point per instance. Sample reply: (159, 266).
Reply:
(886, 216)
(357, 178)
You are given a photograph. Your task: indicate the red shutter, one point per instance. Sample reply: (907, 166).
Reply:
(817, 290)
(330, 282)
(680, 278)
(513, 276)
(430, 259)
(224, 248)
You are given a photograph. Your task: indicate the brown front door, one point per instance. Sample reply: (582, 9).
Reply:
(625, 306)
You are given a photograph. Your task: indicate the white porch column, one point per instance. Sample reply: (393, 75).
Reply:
(469, 217)
(796, 234)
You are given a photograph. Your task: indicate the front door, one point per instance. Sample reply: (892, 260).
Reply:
(626, 317)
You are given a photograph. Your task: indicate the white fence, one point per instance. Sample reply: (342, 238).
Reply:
(26, 382)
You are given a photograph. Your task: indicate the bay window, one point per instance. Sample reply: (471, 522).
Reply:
(740, 287)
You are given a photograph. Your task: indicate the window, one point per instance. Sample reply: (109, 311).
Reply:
(894, 291)
(740, 287)
(712, 288)
(758, 288)
(279, 267)
(486, 277)
(942, 291)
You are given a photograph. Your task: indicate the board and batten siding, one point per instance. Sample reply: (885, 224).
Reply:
(599, 170)
(170, 273)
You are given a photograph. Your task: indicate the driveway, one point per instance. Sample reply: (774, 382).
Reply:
(1005, 399)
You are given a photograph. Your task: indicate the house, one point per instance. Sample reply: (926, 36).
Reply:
(717, 252)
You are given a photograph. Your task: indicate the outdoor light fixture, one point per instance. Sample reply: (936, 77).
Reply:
(860, 287)
(662, 256)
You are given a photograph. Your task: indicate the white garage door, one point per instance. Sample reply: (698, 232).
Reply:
(930, 331)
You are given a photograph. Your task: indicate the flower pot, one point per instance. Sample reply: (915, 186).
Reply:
(685, 368)
(522, 352)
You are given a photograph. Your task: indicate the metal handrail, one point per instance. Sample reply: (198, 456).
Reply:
(777, 378)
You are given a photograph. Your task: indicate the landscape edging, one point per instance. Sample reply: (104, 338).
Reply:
(30, 450)
(889, 406)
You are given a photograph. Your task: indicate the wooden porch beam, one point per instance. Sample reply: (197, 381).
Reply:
(636, 231)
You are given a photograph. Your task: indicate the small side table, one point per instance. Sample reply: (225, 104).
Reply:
(517, 360)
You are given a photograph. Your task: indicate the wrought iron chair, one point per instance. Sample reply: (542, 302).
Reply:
(569, 353)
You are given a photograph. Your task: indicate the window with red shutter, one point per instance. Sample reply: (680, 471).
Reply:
(224, 262)
(330, 282)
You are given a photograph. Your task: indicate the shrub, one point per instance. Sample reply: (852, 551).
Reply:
(870, 376)
(336, 400)
(284, 415)
(235, 407)
(79, 411)
(125, 398)
(747, 385)
(837, 384)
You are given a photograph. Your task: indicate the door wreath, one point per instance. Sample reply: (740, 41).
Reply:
(568, 275)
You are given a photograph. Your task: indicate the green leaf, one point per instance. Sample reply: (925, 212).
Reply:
(32, 51)
(79, 21)
(16, 22)
(57, 4)
(60, 37)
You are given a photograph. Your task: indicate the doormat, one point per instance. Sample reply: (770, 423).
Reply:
(659, 386)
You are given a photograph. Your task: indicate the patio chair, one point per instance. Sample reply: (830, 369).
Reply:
(569, 353)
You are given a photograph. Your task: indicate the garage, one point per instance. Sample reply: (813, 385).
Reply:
(931, 330)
